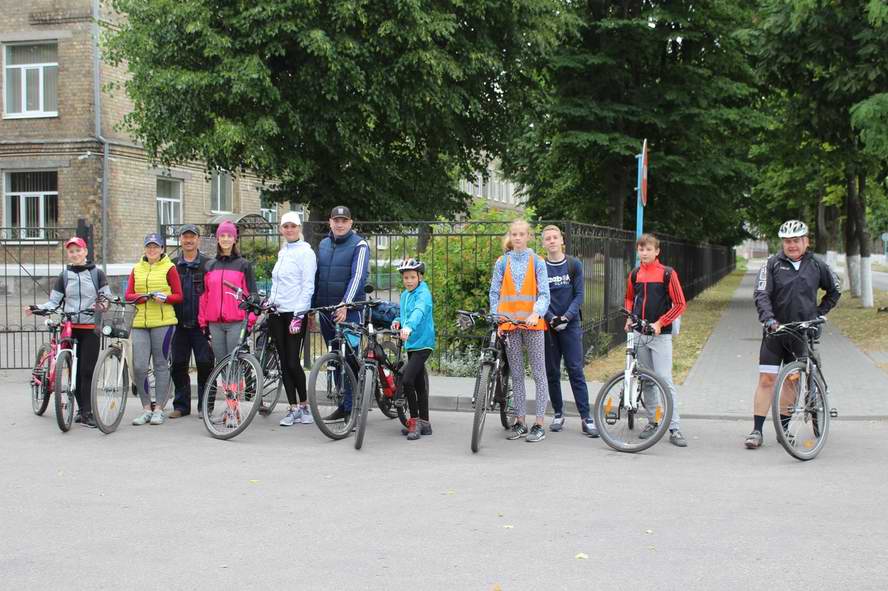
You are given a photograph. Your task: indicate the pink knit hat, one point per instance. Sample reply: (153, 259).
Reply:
(226, 228)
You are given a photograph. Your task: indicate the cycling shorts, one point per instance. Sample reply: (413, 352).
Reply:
(778, 349)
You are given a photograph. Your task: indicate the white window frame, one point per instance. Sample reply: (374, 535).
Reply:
(216, 199)
(23, 196)
(24, 67)
(174, 240)
(269, 213)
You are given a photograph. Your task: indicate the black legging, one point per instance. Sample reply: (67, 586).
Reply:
(289, 348)
(87, 355)
(414, 383)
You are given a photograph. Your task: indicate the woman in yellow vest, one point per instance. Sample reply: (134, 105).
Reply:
(154, 283)
(519, 290)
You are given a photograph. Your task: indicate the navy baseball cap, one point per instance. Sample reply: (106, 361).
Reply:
(189, 228)
(341, 211)
(154, 238)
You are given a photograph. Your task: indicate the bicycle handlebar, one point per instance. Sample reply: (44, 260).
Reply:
(492, 318)
(640, 324)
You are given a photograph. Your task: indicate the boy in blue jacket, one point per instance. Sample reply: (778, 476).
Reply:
(417, 327)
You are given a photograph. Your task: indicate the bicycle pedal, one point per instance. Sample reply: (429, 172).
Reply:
(611, 418)
(833, 413)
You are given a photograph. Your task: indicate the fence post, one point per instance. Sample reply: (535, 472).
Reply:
(85, 231)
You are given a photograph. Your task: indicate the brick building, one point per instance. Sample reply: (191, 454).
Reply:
(54, 143)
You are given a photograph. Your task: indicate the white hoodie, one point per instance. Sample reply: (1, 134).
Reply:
(293, 277)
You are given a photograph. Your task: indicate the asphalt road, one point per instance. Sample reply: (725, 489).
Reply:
(170, 508)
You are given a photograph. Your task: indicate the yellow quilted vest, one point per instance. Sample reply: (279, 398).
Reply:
(148, 278)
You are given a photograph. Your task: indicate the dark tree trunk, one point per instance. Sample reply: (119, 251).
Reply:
(315, 228)
(852, 243)
(862, 231)
(821, 234)
(424, 237)
(616, 197)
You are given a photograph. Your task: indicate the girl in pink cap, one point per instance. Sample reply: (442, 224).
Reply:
(218, 311)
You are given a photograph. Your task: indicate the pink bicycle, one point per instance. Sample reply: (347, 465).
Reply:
(55, 369)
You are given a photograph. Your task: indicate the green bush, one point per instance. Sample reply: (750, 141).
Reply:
(262, 254)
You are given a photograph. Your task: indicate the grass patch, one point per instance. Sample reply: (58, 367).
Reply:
(867, 328)
(697, 323)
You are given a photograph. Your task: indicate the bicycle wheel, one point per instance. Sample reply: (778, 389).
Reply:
(64, 391)
(385, 403)
(110, 385)
(800, 397)
(326, 394)
(231, 398)
(273, 384)
(40, 387)
(616, 423)
(483, 389)
(507, 405)
(368, 386)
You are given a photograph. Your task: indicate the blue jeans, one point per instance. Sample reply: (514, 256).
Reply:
(328, 331)
(568, 344)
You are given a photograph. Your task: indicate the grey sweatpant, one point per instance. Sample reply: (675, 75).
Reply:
(535, 342)
(156, 344)
(226, 336)
(655, 353)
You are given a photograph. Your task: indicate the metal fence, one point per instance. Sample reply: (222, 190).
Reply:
(459, 258)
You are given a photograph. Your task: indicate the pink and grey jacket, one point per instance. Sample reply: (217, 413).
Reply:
(215, 303)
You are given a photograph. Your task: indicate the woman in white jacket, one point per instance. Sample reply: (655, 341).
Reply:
(292, 286)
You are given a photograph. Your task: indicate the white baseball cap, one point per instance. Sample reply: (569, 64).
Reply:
(291, 217)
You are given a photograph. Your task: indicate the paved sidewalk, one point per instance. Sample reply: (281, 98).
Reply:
(722, 382)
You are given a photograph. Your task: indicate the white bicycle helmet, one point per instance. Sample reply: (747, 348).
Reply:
(412, 265)
(793, 229)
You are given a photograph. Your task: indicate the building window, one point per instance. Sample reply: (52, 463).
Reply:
(31, 80)
(169, 202)
(31, 204)
(268, 209)
(220, 193)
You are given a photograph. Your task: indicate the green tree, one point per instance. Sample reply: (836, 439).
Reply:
(678, 73)
(382, 105)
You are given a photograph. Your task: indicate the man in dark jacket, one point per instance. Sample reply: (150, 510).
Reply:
(188, 338)
(786, 291)
(343, 267)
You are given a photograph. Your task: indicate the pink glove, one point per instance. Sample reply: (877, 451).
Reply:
(296, 325)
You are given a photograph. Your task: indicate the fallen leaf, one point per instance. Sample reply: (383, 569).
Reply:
(497, 587)
(499, 514)
(254, 482)
(582, 556)
(648, 531)
(509, 526)
(451, 492)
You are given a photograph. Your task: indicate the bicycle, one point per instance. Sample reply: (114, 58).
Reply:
(234, 389)
(337, 373)
(802, 395)
(492, 386)
(55, 368)
(634, 393)
(270, 362)
(113, 372)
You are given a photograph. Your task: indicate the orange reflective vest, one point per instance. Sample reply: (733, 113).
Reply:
(519, 305)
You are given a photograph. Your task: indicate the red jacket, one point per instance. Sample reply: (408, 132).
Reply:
(651, 300)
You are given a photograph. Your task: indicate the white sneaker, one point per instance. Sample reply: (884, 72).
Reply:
(306, 418)
(157, 417)
(291, 418)
(557, 423)
(143, 418)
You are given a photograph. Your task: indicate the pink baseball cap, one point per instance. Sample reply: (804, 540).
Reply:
(226, 228)
(76, 240)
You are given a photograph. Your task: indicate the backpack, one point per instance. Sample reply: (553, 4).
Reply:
(384, 314)
(667, 277)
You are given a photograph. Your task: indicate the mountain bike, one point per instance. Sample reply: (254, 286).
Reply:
(492, 386)
(635, 393)
(234, 389)
(801, 410)
(55, 368)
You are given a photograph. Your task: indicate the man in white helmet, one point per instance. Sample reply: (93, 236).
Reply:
(786, 291)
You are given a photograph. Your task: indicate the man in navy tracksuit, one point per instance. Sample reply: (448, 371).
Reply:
(565, 335)
(343, 267)
(188, 338)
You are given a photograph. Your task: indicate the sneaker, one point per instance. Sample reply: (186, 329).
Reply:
(88, 421)
(677, 439)
(754, 440)
(337, 415)
(306, 418)
(157, 417)
(78, 418)
(425, 428)
(537, 433)
(291, 418)
(517, 431)
(590, 429)
(557, 423)
(200, 415)
(143, 418)
(648, 431)
(177, 414)
(412, 433)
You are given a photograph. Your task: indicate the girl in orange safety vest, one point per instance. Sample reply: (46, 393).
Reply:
(519, 290)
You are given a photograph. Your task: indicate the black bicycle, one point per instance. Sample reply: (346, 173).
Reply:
(800, 405)
(493, 387)
(234, 389)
